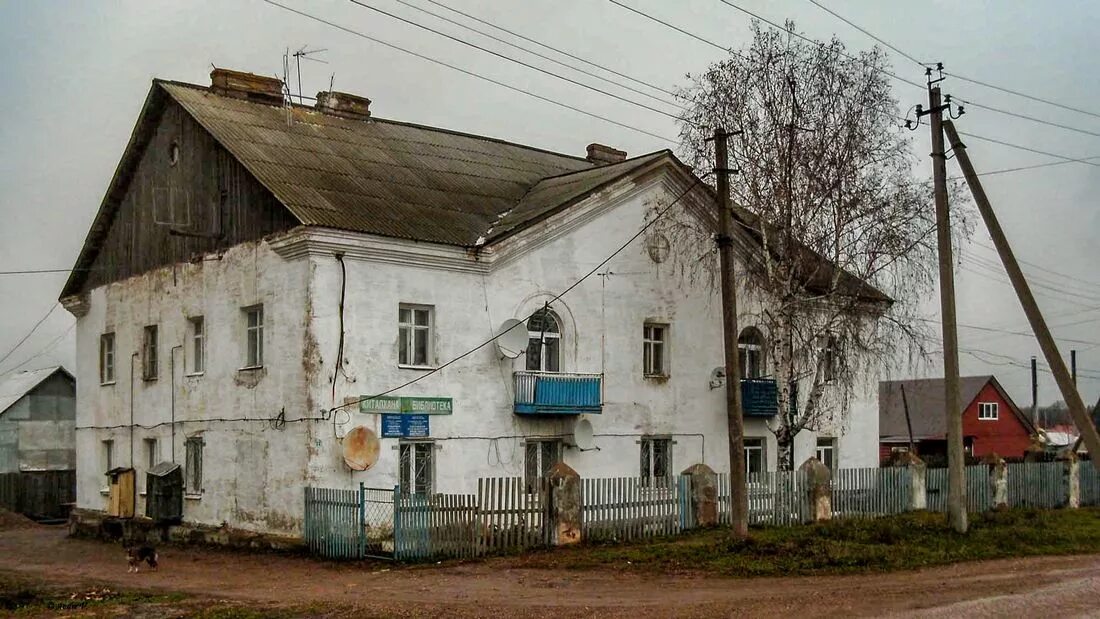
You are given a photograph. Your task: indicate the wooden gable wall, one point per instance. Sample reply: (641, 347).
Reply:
(207, 198)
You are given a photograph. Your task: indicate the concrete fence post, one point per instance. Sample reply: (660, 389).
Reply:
(998, 481)
(1072, 474)
(566, 505)
(704, 495)
(820, 489)
(918, 481)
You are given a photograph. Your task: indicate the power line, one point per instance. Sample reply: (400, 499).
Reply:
(640, 232)
(467, 72)
(30, 333)
(864, 31)
(1068, 159)
(514, 60)
(45, 349)
(1019, 333)
(544, 56)
(1021, 94)
(1027, 167)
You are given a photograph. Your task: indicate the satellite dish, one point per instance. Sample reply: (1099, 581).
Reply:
(361, 448)
(583, 437)
(512, 338)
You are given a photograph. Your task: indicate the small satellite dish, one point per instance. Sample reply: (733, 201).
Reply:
(583, 437)
(361, 448)
(512, 338)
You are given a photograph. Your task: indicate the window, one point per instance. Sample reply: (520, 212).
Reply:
(254, 336)
(987, 411)
(754, 456)
(656, 461)
(826, 452)
(108, 455)
(750, 353)
(414, 341)
(417, 468)
(198, 345)
(107, 358)
(654, 359)
(539, 458)
(544, 342)
(149, 353)
(192, 476)
(830, 357)
(150, 453)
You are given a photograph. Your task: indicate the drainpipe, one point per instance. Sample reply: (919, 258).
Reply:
(132, 357)
(172, 371)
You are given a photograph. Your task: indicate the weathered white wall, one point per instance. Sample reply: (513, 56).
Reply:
(253, 474)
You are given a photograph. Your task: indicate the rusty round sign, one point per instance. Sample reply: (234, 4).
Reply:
(361, 448)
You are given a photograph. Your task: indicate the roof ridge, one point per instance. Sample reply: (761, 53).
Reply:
(605, 166)
(389, 121)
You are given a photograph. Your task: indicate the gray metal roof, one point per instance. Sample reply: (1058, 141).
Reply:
(379, 176)
(14, 386)
(926, 405)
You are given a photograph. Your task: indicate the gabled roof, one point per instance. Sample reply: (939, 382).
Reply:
(14, 386)
(926, 405)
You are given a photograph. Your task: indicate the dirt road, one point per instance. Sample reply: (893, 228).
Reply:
(1049, 586)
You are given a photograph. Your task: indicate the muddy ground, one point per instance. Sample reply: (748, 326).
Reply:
(203, 578)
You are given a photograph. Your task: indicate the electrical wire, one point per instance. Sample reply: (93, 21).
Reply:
(30, 333)
(866, 32)
(468, 72)
(47, 348)
(553, 49)
(640, 232)
(511, 59)
(541, 55)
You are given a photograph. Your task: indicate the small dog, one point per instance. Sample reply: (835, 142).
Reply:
(136, 554)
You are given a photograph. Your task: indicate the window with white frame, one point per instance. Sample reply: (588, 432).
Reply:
(149, 353)
(656, 461)
(750, 353)
(197, 334)
(107, 358)
(826, 451)
(987, 411)
(414, 331)
(254, 336)
(539, 457)
(544, 342)
(755, 461)
(192, 477)
(108, 460)
(417, 467)
(654, 349)
(151, 453)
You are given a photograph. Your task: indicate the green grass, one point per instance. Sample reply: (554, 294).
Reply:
(845, 546)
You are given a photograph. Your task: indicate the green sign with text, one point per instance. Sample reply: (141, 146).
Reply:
(407, 405)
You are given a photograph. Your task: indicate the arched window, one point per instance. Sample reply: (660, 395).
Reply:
(544, 343)
(750, 351)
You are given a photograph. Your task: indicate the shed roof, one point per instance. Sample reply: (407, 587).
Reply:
(926, 405)
(14, 386)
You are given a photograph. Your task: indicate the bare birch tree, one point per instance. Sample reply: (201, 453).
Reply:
(843, 234)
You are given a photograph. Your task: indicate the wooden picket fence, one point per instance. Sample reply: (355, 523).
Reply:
(777, 498)
(627, 508)
(41, 495)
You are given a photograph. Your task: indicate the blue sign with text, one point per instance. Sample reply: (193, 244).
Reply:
(405, 426)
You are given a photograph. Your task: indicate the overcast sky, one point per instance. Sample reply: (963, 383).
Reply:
(75, 76)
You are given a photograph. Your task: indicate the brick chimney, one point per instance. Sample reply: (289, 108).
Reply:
(343, 104)
(600, 154)
(246, 86)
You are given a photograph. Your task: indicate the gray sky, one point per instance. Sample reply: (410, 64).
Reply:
(76, 74)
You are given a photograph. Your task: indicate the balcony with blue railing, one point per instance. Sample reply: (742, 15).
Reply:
(759, 397)
(558, 393)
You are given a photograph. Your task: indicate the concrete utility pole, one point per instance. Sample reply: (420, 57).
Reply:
(1038, 324)
(956, 463)
(739, 500)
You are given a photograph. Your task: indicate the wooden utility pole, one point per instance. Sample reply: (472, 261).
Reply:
(1038, 324)
(739, 500)
(1034, 391)
(1073, 365)
(956, 464)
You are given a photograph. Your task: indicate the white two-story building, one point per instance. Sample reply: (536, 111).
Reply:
(258, 271)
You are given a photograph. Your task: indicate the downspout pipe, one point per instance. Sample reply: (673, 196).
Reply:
(172, 370)
(133, 356)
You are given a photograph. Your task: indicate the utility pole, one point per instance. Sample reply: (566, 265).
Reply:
(739, 502)
(1073, 365)
(1054, 359)
(956, 471)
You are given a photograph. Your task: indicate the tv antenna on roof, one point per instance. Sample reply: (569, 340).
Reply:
(305, 53)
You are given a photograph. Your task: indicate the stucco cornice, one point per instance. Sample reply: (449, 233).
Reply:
(311, 241)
